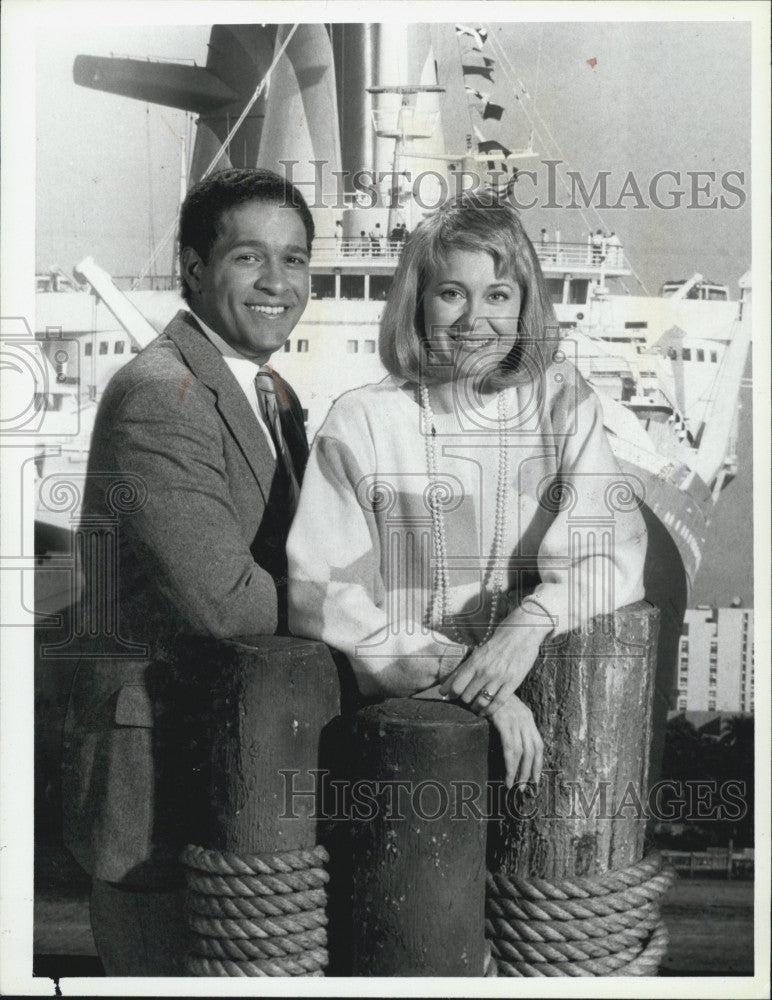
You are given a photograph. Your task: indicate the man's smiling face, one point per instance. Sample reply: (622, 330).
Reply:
(254, 286)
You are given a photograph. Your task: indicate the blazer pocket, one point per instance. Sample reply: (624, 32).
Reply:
(133, 707)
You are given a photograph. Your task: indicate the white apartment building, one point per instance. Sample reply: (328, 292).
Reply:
(715, 662)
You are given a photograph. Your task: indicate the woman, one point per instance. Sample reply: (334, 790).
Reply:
(452, 516)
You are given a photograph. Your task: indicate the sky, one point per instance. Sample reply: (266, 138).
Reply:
(660, 96)
(607, 96)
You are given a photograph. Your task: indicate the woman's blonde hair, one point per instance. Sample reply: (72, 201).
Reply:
(476, 223)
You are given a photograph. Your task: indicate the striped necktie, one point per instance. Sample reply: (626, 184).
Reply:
(269, 410)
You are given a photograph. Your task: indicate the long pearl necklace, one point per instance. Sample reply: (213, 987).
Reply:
(494, 573)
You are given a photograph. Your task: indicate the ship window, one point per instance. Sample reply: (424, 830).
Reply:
(555, 289)
(302, 347)
(119, 346)
(714, 357)
(352, 286)
(322, 286)
(352, 347)
(700, 354)
(103, 347)
(87, 350)
(577, 292)
(686, 354)
(379, 287)
(717, 295)
(369, 347)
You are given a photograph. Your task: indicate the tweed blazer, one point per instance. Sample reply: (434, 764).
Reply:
(181, 475)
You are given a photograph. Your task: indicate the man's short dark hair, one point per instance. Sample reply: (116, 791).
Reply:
(206, 203)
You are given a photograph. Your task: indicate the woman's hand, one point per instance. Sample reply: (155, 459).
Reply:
(520, 740)
(490, 675)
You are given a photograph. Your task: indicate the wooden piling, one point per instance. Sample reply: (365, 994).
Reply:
(264, 702)
(591, 695)
(418, 851)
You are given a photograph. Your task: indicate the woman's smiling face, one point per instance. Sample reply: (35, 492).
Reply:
(470, 314)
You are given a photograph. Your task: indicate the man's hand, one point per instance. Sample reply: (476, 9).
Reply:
(520, 740)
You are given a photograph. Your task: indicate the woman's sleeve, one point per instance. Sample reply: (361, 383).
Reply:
(591, 557)
(336, 588)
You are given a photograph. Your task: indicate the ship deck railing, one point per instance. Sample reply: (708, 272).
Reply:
(555, 258)
(552, 256)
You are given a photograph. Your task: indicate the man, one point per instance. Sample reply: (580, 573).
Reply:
(216, 443)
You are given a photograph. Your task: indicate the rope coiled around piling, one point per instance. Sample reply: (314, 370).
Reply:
(602, 926)
(256, 914)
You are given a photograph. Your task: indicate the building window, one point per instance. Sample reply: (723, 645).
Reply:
(287, 346)
(134, 349)
(686, 354)
(369, 347)
(700, 354)
(87, 349)
(103, 347)
(712, 705)
(352, 347)
(119, 346)
(714, 357)
(681, 704)
(302, 347)
(304, 411)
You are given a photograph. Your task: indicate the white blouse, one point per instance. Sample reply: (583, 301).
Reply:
(361, 552)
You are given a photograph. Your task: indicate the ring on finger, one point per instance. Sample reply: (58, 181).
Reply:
(485, 693)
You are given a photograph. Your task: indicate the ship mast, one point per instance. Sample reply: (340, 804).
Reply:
(403, 126)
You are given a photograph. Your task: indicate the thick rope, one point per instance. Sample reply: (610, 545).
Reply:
(571, 951)
(648, 962)
(229, 863)
(577, 909)
(297, 946)
(240, 909)
(641, 920)
(249, 930)
(593, 947)
(256, 914)
(257, 885)
(310, 965)
(582, 888)
(256, 906)
(539, 928)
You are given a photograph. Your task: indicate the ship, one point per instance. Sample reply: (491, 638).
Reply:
(340, 106)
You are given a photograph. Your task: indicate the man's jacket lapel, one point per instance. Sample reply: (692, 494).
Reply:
(206, 363)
